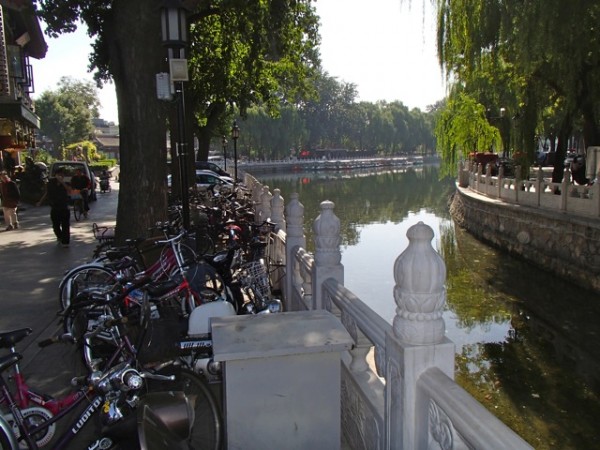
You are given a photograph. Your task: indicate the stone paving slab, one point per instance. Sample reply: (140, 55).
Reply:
(31, 267)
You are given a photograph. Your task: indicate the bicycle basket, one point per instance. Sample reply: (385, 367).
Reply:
(255, 276)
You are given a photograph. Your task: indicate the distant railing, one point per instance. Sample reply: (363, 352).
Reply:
(406, 398)
(538, 192)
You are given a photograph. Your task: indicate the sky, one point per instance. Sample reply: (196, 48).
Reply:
(385, 47)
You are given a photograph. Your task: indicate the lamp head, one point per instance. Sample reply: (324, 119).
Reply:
(235, 130)
(173, 19)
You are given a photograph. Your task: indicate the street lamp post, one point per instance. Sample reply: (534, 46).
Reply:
(224, 141)
(174, 37)
(235, 134)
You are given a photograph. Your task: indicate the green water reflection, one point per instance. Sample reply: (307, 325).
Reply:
(527, 344)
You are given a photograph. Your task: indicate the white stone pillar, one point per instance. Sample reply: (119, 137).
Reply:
(539, 185)
(500, 181)
(264, 207)
(328, 257)
(295, 238)
(463, 175)
(256, 194)
(479, 176)
(417, 341)
(277, 210)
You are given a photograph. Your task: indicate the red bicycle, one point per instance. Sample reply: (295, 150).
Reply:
(33, 416)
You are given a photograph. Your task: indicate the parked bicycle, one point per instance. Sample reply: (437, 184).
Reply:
(33, 416)
(174, 257)
(109, 329)
(78, 207)
(112, 393)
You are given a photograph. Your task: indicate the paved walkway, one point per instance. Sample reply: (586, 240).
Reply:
(32, 265)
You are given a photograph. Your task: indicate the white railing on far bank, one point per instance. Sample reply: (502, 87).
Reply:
(539, 192)
(406, 398)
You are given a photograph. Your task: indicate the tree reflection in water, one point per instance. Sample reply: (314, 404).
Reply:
(527, 344)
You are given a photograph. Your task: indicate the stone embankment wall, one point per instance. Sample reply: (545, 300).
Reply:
(558, 242)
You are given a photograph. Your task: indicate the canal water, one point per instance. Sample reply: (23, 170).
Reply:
(527, 344)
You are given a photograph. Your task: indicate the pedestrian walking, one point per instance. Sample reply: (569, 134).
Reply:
(58, 195)
(9, 191)
(82, 183)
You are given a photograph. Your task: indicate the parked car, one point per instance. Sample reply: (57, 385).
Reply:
(70, 167)
(208, 165)
(206, 179)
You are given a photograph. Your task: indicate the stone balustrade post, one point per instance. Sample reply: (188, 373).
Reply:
(326, 228)
(294, 212)
(264, 206)
(277, 210)
(500, 180)
(539, 185)
(256, 194)
(518, 179)
(488, 179)
(417, 341)
(463, 175)
(479, 176)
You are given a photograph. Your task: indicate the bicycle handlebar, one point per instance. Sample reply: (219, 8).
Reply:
(108, 323)
(180, 236)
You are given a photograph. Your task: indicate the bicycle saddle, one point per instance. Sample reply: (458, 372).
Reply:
(8, 339)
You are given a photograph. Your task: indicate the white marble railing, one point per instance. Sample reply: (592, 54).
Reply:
(406, 397)
(539, 192)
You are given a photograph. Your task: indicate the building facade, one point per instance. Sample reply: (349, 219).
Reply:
(21, 38)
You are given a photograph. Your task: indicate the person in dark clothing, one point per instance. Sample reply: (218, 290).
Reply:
(82, 183)
(9, 192)
(58, 195)
(578, 170)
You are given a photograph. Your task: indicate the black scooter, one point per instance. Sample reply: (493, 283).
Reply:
(104, 184)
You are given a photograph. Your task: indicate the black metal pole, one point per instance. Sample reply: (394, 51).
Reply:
(225, 153)
(182, 153)
(235, 158)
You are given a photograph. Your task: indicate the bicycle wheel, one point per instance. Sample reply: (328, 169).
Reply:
(205, 245)
(7, 442)
(97, 350)
(78, 209)
(82, 278)
(34, 416)
(168, 262)
(207, 430)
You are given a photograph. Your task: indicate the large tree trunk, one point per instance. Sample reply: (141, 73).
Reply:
(214, 117)
(566, 127)
(136, 56)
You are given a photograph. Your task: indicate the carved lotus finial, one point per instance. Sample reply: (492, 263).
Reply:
(420, 293)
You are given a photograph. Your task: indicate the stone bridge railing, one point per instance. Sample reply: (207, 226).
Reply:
(537, 192)
(405, 398)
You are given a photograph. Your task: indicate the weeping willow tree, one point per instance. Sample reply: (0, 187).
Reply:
(462, 128)
(531, 58)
